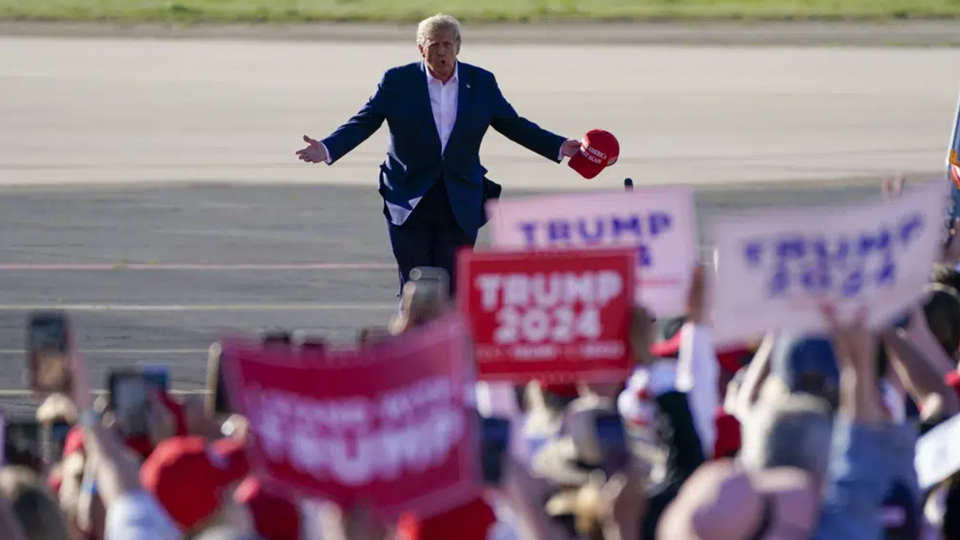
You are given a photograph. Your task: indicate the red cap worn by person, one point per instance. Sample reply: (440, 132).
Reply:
(953, 381)
(187, 475)
(468, 522)
(728, 441)
(275, 517)
(598, 150)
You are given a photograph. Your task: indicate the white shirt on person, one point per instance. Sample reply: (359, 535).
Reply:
(443, 103)
(137, 514)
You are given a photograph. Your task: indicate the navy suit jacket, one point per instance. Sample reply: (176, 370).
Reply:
(414, 160)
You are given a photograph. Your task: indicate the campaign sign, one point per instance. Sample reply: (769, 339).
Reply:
(776, 268)
(561, 316)
(936, 457)
(659, 224)
(387, 427)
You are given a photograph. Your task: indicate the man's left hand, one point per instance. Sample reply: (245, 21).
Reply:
(570, 148)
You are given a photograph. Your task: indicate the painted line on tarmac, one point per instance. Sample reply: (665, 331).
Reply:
(19, 393)
(121, 352)
(108, 267)
(168, 308)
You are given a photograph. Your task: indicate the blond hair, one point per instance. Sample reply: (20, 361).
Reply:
(430, 27)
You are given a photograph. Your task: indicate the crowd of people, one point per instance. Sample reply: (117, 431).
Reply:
(790, 437)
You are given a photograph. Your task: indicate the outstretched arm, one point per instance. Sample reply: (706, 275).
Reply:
(348, 136)
(524, 132)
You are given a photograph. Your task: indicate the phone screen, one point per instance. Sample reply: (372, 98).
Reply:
(48, 333)
(48, 345)
(129, 399)
(54, 439)
(21, 443)
(613, 441)
(434, 280)
(495, 434)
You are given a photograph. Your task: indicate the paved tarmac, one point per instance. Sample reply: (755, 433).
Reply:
(177, 156)
(113, 111)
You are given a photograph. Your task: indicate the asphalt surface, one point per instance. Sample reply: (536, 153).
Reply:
(112, 111)
(150, 186)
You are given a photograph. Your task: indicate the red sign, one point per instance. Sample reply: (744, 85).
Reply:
(387, 426)
(560, 316)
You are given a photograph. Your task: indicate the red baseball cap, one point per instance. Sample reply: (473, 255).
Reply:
(598, 150)
(275, 516)
(187, 475)
(953, 381)
(468, 522)
(728, 439)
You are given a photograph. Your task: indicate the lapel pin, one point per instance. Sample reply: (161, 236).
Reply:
(468, 86)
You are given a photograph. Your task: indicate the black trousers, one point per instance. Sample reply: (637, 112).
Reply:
(430, 236)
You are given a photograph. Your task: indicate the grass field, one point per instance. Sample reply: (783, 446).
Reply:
(188, 11)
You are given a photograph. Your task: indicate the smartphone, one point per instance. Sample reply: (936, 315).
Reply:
(435, 280)
(613, 441)
(276, 338)
(217, 403)
(53, 439)
(495, 440)
(157, 376)
(21, 443)
(129, 401)
(48, 351)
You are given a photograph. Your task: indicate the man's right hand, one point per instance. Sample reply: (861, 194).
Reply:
(314, 152)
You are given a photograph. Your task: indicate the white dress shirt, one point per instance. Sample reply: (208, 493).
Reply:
(443, 103)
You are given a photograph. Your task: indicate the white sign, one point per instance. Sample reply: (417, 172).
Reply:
(658, 222)
(775, 268)
(936, 456)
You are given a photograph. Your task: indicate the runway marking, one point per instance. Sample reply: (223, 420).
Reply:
(196, 308)
(18, 393)
(123, 352)
(104, 267)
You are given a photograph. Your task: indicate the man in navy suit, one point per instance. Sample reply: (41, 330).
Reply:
(432, 182)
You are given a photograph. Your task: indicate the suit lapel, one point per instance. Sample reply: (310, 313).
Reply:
(431, 137)
(464, 98)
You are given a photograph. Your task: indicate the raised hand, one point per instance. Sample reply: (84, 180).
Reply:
(855, 348)
(570, 148)
(313, 153)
